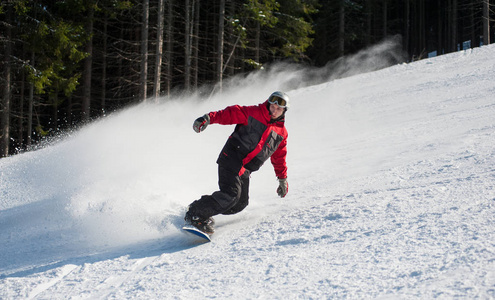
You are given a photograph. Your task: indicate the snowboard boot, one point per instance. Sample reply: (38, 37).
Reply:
(205, 225)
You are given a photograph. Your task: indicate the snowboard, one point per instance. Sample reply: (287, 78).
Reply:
(193, 230)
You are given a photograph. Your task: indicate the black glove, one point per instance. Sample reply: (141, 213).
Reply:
(283, 187)
(201, 123)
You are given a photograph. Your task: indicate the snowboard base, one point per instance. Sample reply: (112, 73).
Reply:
(193, 230)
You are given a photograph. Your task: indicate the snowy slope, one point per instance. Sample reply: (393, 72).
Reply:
(391, 196)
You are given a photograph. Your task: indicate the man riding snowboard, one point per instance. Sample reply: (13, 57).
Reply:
(259, 134)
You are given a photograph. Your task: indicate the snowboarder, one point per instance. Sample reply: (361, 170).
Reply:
(259, 134)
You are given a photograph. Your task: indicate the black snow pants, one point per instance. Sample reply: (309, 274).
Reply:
(232, 197)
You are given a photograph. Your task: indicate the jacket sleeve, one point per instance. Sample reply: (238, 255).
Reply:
(278, 160)
(231, 115)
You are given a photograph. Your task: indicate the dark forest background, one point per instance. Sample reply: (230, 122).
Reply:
(66, 62)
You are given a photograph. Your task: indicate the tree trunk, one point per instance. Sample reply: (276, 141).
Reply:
(486, 22)
(385, 17)
(257, 43)
(196, 45)
(342, 29)
(369, 15)
(88, 62)
(407, 27)
(5, 123)
(221, 28)
(453, 37)
(30, 108)
(440, 18)
(229, 65)
(144, 52)
(120, 64)
(187, 50)
(104, 66)
(422, 28)
(159, 51)
(20, 118)
(168, 52)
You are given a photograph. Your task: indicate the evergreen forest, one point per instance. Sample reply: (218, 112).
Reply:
(66, 62)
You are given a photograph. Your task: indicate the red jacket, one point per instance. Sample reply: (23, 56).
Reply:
(255, 139)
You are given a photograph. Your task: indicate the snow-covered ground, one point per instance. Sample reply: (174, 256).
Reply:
(391, 196)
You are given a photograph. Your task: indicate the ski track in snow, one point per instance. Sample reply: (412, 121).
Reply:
(391, 197)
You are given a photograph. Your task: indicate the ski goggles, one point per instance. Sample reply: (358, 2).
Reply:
(277, 100)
